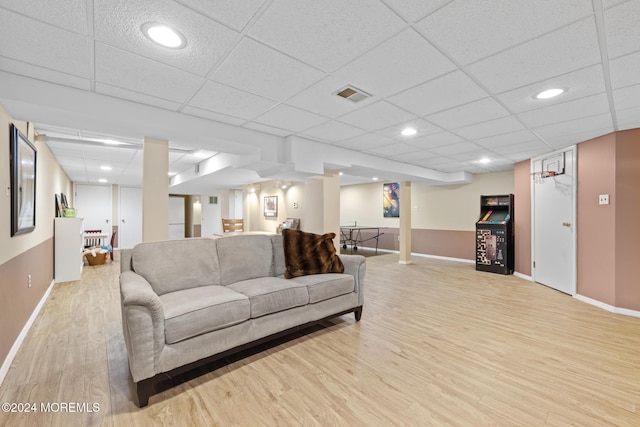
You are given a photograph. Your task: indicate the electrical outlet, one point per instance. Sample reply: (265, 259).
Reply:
(29, 276)
(603, 199)
(295, 205)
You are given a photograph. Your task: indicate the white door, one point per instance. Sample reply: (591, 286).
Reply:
(93, 203)
(554, 227)
(211, 220)
(176, 218)
(130, 226)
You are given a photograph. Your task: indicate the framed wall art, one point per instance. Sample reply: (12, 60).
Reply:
(23, 183)
(391, 200)
(270, 206)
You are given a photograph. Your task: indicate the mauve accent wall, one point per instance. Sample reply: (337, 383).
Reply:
(627, 206)
(522, 214)
(19, 301)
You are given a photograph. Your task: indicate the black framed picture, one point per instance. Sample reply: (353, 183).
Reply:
(23, 183)
(271, 206)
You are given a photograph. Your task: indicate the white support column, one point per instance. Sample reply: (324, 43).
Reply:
(405, 222)
(155, 190)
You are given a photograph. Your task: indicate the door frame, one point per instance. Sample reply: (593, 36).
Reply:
(574, 220)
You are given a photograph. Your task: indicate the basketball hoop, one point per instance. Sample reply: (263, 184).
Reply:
(539, 176)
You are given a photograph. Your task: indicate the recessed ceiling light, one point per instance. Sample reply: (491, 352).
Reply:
(164, 35)
(340, 173)
(409, 131)
(102, 180)
(375, 178)
(549, 93)
(105, 168)
(484, 160)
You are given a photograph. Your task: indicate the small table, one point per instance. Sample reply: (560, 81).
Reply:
(351, 235)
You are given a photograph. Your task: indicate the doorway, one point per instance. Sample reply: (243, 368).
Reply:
(130, 227)
(554, 220)
(93, 203)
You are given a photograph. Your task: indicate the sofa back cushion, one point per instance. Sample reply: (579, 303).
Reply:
(245, 257)
(278, 255)
(177, 264)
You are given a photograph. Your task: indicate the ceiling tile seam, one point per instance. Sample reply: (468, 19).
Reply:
(91, 45)
(47, 23)
(138, 93)
(604, 55)
(43, 68)
(442, 5)
(225, 55)
(206, 15)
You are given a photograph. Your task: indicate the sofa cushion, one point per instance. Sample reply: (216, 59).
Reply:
(326, 286)
(196, 311)
(244, 257)
(178, 264)
(309, 253)
(278, 255)
(272, 294)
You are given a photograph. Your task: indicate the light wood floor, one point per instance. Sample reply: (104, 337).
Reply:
(438, 344)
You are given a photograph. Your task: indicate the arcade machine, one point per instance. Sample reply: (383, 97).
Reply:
(494, 235)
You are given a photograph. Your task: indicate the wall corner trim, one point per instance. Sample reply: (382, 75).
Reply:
(23, 334)
(607, 307)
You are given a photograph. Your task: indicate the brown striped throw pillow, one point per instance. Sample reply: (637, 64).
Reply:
(308, 253)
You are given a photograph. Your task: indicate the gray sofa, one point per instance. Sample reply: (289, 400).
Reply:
(187, 303)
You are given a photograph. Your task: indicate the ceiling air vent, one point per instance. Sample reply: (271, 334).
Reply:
(352, 94)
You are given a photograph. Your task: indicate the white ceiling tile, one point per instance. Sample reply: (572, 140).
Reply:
(333, 131)
(69, 14)
(622, 25)
(136, 96)
(263, 71)
(529, 153)
(578, 108)
(226, 100)
(575, 138)
(366, 142)
(421, 126)
(37, 43)
(520, 147)
(468, 114)
(122, 155)
(392, 150)
(118, 23)
(377, 116)
(267, 129)
(585, 124)
(402, 62)
(470, 156)
(627, 97)
(290, 118)
(624, 70)
(462, 147)
(435, 140)
(206, 114)
(473, 30)
(491, 127)
(234, 13)
(416, 157)
(629, 118)
(439, 94)
(497, 142)
(43, 73)
(434, 162)
(122, 69)
(414, 10)
(325, 34)
(560, 52)
(577, 84)
(320, 98)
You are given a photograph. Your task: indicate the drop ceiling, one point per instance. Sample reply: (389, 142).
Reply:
(252, 96)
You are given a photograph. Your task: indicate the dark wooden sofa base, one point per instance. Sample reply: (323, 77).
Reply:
(142, 390)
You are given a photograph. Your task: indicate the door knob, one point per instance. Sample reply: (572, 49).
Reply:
(566, 224)
(123, 221)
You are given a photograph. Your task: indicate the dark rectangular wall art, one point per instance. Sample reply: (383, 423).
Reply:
(23, 183)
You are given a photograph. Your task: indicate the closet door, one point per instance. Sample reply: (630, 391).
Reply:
(130, 225)
(93, 204)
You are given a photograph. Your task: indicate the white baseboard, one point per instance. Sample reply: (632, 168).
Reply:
(523, 276)
(607, 307)
(16, 345)
(445, 258)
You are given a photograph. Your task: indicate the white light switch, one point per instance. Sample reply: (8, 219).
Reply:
(603, 199)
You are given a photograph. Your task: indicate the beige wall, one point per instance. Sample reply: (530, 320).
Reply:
(30, 253)
(155, 194)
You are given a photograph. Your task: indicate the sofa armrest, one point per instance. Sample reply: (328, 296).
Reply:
(125, 260)
(142, 323)
(356, 265)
